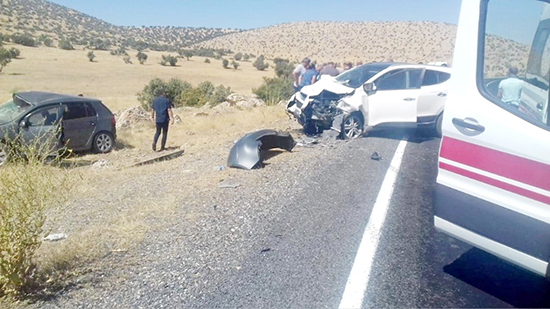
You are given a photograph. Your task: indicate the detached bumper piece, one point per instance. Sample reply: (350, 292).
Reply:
(250, 151)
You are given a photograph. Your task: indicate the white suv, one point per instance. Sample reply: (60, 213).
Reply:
(373, 95)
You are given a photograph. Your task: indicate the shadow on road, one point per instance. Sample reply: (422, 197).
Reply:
(503, 280)
(417, 136)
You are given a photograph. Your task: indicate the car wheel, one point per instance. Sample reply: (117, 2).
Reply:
(352, 126)
(103, 142)
(439, 126)
(4, 154)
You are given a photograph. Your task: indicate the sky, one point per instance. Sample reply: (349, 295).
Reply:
(249, 14)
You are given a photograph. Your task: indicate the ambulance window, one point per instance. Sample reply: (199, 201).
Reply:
(516, 57)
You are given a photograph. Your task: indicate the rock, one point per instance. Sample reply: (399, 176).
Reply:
(177, 119)
(228, 184)
(234, 98)
(131, 116)
(55, 237)
(222, 105)
(101, 164)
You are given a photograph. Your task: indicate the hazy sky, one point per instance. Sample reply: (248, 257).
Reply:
(247, 14)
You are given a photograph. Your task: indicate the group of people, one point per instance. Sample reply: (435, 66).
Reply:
(308, 72)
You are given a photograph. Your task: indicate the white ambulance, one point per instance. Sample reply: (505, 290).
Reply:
(493, 183)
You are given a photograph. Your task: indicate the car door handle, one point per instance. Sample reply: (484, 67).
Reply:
(442, 94)
(468, 126)
(92, 123)
(409, 99)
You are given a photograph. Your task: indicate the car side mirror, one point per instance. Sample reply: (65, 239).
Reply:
(24, 123)
(369, 88)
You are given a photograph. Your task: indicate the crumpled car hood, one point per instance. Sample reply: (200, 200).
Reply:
(326, 83)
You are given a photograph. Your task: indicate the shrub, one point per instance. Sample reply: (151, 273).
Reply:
(127, 59)
(31, 190)
(91, 56)
(235, 64)
(182, 93)
(283, 67)
(260, 64)
(99, 44)
(238, 56)
(66, 45)
(246, 57)
(186, 53)
(274, 90)
(5, 58)
(142, 57)
(225, 63)
(14, 53)
(47, 42)
(206, 60)
(169, 59)
(23, 39)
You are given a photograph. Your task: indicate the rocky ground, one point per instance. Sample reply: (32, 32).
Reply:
(208, 216)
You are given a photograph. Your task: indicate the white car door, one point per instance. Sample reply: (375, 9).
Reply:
(395, 98)
(433, 94)
(493, 183)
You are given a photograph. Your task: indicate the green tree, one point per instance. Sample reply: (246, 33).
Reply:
(225, 63)
(169, 59)
(14, 53)
(91, 56)
(142, 57)
(260, 64)
(206, 60)
(246, 57)
(238, 56)
(235, 64)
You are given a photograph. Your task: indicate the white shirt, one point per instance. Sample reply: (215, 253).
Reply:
(511, 90)
(299, 70)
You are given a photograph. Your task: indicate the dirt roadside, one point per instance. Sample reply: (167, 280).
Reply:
(127, 219)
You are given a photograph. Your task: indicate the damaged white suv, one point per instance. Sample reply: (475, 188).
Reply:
(373, 95)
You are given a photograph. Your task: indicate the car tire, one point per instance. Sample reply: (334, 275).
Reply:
(352, 126)
(439, 126)
(103, 142)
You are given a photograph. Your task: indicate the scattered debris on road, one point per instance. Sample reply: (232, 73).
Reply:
(265, 250)
(250, 151)
(375, 156)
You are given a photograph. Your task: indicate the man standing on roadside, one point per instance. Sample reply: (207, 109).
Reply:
(329, 69)
(162, 116)
(509, 90)
(298, 71)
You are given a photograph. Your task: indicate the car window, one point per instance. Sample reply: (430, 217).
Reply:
(516, 77)
(432, 77)
(359, 75)
(43, 117)
(11, 110)
(399, 79)
(77, 110)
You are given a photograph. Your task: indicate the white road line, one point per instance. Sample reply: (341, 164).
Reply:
(360, 272)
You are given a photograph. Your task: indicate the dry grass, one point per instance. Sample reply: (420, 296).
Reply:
(109, 78)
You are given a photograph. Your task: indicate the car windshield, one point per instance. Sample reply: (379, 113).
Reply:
(11, 109)
(359, 75)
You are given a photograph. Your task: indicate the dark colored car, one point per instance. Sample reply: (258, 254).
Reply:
(75, 122)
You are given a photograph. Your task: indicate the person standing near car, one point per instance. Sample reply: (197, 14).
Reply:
(509, 90)
(162, 116)
(329, 69)
(298, 71)
(309, 77)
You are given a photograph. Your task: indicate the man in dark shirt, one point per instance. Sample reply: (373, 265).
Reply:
(329, 69)
(162, 115)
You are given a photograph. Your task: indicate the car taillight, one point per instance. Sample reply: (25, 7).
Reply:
(113, 121)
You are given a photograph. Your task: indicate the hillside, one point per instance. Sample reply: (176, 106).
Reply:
(47, 19)
(362, 41)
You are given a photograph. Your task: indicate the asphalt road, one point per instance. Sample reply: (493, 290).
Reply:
(303, 258)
